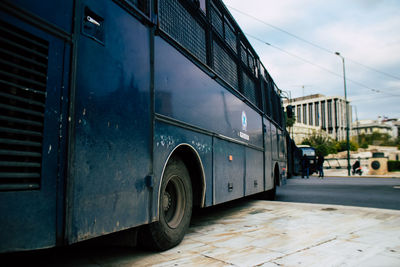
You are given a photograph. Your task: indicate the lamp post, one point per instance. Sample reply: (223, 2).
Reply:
(289, 98)
(347, 115)
(357, 125)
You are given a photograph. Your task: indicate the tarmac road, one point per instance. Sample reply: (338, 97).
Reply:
(381, 193)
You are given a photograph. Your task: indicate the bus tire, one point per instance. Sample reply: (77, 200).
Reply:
(175, 208)
(271, 194)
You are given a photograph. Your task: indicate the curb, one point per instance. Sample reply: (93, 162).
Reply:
(363, 176)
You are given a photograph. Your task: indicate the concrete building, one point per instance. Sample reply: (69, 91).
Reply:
(370, 126)
(384, 126)
(325, 114)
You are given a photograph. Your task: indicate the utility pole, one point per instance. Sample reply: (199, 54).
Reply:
(358, 133)
(347, 116)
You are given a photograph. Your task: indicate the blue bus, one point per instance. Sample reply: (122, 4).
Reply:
(126, 114)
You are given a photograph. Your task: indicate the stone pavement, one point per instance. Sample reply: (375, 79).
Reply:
(265, 233)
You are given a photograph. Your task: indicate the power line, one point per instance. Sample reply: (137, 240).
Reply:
(293, 55)
(312, 43)
(369, 98)
(320, 67)
(282, 30)
(373, 69)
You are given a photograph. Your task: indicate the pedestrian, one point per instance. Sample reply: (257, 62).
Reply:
(320, 165)
(305, 166)
(356, 165)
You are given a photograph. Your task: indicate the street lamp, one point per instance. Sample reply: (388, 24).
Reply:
(289, 98)
(347, 116)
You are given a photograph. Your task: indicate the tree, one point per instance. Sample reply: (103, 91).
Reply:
(377, 138)
(322, 144)
(290, 121)
(342, 146)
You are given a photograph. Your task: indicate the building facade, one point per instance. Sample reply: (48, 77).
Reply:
(384, 126)
(318, 112)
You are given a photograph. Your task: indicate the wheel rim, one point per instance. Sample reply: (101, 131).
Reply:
(173, 202)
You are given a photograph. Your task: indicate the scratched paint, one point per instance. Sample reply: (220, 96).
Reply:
(201, 147)
(166, 141)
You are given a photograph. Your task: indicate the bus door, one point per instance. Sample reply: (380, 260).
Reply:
(268, 155)
(111, 140)
(34, 74)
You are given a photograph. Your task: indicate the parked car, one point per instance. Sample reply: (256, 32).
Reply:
(309, 152)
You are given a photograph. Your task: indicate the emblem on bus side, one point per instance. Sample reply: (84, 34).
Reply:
(244, 121)
(244, 127)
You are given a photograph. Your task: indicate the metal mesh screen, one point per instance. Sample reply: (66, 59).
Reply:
(230, 36)
(267, 108)
(224, 65)
(249, 89)
(216, 21)
(243, 55)
(180, 25)
(251, 63)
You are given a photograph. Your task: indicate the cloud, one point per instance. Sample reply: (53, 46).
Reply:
(363, 31)
(269, 11)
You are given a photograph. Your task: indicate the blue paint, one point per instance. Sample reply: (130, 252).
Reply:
(103, 162)
(167, 137)
(58, 13)
(28, 218)
(112, 134)
(228, 172)
(185, 93)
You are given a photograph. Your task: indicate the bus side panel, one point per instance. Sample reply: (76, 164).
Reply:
(184, 92)
(57, 13)
(28, 208)
(274, 142)
(229, 164)
(167, 138)
(112, 136)
(268, 169)
(254, 171)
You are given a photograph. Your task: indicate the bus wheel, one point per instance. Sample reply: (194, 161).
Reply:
(175, 207)
(271, 194)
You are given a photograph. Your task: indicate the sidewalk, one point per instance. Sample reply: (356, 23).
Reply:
(269, 234)
(343, 173)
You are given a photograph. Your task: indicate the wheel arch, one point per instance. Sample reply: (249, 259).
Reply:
(194, 165)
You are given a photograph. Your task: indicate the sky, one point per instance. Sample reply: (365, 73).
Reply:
(303, 36)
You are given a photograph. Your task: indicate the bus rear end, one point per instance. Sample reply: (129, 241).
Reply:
(34, 70)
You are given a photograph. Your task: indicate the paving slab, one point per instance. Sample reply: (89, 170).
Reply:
(266, 233)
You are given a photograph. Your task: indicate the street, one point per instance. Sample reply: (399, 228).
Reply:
(383, 193)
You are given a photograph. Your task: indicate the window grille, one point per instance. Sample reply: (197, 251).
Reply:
(249, 89)
(217, 21)
(230, 36)
(224, 65)
(177, 22)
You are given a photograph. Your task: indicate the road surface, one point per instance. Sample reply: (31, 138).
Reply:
(381, 193)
